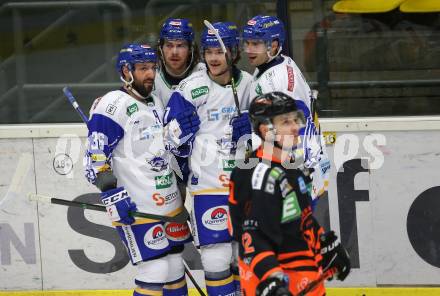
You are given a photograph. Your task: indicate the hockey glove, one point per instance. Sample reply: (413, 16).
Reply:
(241, 126)
(119, 205)
(334, 255)
(182, 128)
(273, 286)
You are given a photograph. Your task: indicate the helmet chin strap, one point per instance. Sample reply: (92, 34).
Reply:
(274, 56)
(168, 69)
(129, 85)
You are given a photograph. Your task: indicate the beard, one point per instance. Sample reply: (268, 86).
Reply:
(142, 89)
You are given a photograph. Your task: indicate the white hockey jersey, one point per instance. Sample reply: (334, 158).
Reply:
(285, 76)
(211, 161)
(163, 89)
(126, 135)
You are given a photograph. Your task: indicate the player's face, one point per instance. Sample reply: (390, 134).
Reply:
(256, 51)
(143, 76)
(176, 55)
(215, 60)
(287, 129)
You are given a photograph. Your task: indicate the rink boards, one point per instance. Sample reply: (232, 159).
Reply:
(383, 201)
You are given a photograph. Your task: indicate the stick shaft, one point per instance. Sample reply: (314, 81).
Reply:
(228, 61)
(180, 218)
(75, 104)
(329, 273)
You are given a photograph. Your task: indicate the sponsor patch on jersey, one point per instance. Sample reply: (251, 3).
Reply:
(95, 103)
(132, 109)
(258, 89)
(276, 173)
(285, 187)
(228, 164)
(324, 165)
(198, 92)
(291, 209)
(163, 182)
(290, 78)
(155, 238)
(175, 23)
(177, 231)
(161, 200)
(216, 218)
(302, 185)
(258, 175)
(225, 113)
(110, 109)
(251, 22)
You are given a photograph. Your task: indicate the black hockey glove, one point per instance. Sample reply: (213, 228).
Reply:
(334, 255)
(273, 287)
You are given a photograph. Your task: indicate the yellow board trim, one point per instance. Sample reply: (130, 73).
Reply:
(420, 6)
(193, 292)
(366, 6)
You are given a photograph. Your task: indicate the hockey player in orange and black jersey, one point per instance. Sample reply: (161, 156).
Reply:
(283, 248)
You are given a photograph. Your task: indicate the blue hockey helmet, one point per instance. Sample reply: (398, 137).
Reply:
(177, 29)
(135, 53)
(264, 27)
(208, 38)
(233, 27)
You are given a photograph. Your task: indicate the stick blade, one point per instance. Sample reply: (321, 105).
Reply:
(38, 197)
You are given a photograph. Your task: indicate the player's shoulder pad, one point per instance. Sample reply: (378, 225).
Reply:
(195, 86)
(111, 103)
(199, 67)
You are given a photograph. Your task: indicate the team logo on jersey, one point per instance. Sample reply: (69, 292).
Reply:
(163, 182)
(155, 238)
(132, 109)
(158, 164)
(251, 22)
(216, 218)
(200, 91)
(177, 231)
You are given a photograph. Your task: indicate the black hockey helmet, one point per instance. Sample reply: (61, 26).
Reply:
(264, 107)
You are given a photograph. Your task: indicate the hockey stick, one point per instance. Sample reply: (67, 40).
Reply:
(193, 280)
(179, 218)
(326, 275)
(228, 61)
(75, 104)
(182, 217)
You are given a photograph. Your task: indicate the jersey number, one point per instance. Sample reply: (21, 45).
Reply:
(246, 241)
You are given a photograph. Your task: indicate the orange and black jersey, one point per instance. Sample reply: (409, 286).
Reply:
(270, 215)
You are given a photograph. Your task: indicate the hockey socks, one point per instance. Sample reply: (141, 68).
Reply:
(147, 289)
(224, 286)
(176, 288)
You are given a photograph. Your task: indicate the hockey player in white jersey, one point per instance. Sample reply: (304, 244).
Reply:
(212, 160)
(263, 38)
(128, 159)
(178, 56)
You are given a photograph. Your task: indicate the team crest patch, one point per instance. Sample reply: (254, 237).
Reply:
(200, 91)
(132, 109)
